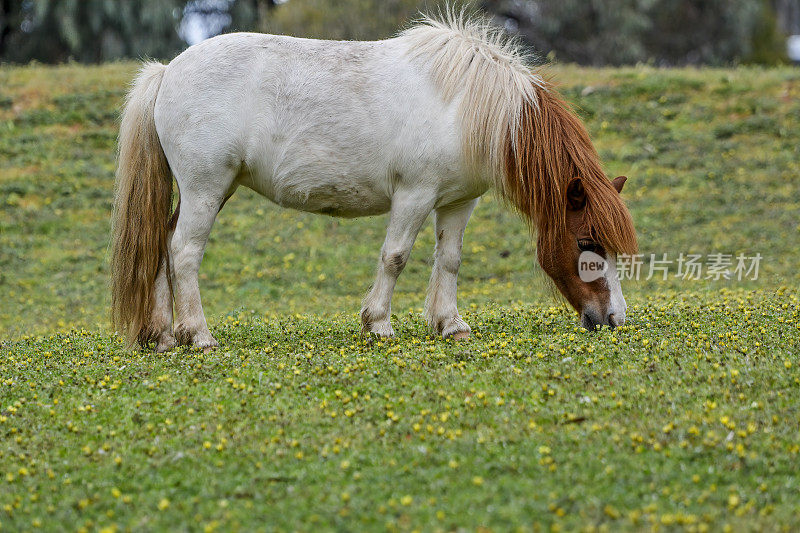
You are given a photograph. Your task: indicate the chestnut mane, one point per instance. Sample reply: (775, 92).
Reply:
(520, 129)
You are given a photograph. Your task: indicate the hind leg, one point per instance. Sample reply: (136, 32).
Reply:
(161, 324)
(187, 246)
(440, 305)
(161, 321)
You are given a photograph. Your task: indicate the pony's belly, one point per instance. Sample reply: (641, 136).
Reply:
(325, 204)
(340, 199)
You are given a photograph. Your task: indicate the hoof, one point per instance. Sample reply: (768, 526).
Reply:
(460, 336)
(201, 339)
(381, 330)
(207, 343)
(166, 343)
(455, 328)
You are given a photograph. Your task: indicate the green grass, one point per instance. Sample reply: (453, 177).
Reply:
(687, 417)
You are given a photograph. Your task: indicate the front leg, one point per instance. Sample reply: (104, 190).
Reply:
(440, 305)
(409, 211)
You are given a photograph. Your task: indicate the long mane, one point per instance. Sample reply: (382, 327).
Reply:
(517, 126)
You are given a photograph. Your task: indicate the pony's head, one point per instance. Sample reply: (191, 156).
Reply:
(554, 178)
(581, 266)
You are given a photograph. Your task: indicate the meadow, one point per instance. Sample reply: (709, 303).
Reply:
(685, 418)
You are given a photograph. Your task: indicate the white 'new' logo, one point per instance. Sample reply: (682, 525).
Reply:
(591, 266)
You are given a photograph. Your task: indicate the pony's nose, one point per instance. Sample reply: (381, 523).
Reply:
(613, 321)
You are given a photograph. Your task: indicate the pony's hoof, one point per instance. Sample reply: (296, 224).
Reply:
(201, 339)
(166, 343)
(456, 329)
(208, 344)
(382, 330)
(374, 326)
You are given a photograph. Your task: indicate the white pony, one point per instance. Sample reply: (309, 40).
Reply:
(427, 121)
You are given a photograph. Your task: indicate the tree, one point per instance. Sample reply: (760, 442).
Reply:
(670, 32)
(89, 30)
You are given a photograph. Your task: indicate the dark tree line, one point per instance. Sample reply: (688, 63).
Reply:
(597, 32)
(89, 31)
(671, 32)
(92, 31)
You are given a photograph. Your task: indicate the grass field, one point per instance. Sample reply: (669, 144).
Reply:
(688, 417)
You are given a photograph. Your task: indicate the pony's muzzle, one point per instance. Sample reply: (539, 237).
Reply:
(591, 320)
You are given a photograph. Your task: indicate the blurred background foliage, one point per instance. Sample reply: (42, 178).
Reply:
(591, 32)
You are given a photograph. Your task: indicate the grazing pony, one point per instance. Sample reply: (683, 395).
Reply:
(427, 121)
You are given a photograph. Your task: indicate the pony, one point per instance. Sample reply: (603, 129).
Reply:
(427, 121)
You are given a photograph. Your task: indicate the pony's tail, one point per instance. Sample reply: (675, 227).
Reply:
(142, 201)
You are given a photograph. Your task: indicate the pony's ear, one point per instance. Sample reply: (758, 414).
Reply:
(576, 195)
(618, 182)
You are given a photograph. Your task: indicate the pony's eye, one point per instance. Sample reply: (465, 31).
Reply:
(587, 246)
